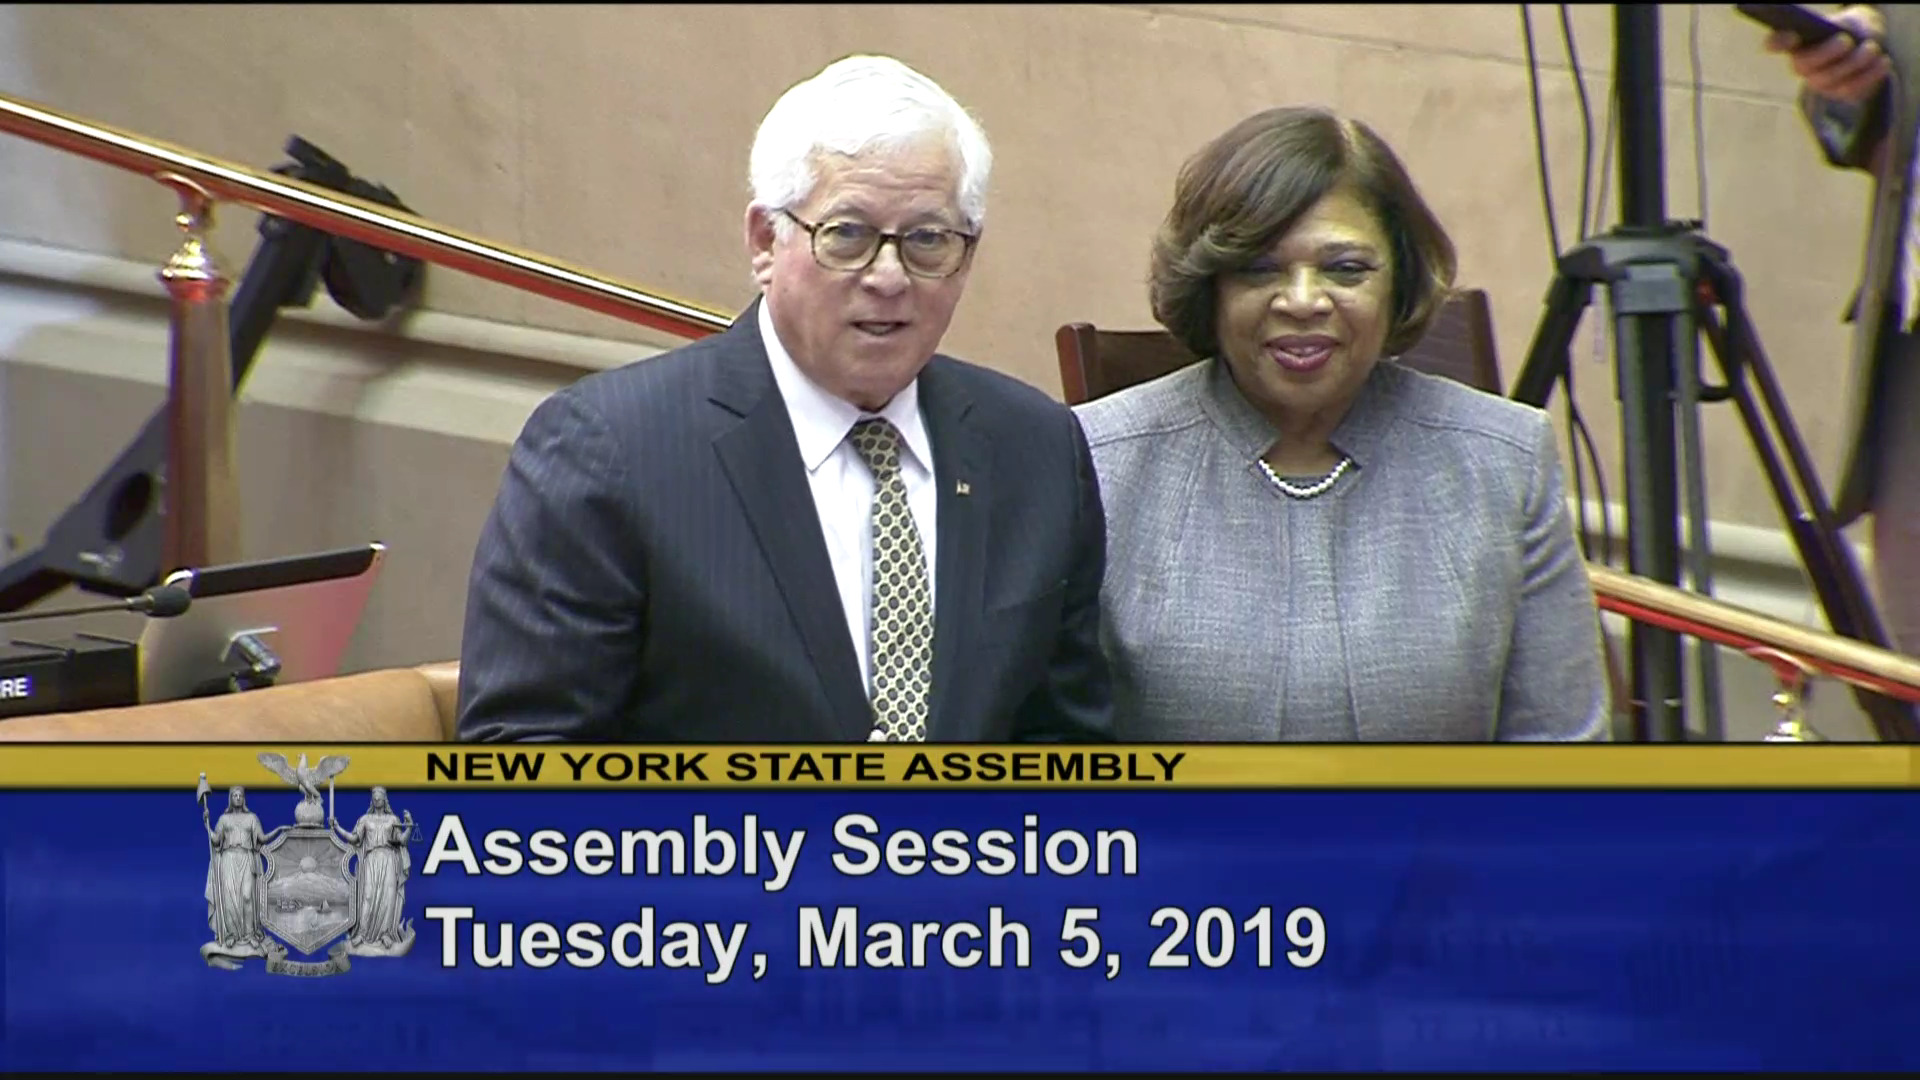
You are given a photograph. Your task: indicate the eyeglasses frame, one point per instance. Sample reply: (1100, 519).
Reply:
(813, 228)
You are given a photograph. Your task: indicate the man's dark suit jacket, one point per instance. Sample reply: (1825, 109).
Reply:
(653, 569)
(1877, 138)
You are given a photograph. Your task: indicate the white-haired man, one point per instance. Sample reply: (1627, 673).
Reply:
(811, 527)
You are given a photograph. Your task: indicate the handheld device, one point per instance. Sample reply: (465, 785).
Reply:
(1802, 22)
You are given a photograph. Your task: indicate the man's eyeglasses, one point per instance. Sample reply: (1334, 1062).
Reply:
(929, 251)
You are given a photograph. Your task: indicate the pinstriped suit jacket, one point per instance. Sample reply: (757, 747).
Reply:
(1434, 593)
(653, 568)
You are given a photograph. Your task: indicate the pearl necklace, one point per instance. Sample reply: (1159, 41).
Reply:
(1312, 490)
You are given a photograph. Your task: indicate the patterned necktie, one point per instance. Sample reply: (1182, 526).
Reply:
(901, 638)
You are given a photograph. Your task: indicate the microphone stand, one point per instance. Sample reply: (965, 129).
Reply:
(122, 606)
(146, 603)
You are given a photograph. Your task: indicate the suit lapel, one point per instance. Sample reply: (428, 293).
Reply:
(762, 461)
(960, 455)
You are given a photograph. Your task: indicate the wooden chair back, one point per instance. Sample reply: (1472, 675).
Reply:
(1096, 362)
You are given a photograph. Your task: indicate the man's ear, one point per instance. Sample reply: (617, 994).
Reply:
(760, 239)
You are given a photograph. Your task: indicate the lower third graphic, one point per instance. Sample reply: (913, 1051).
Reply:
(309, 886)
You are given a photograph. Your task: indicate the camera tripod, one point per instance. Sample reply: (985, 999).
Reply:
(1668, 285)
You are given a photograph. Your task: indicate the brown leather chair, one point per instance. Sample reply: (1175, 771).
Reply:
(398, 705)
(1094, 362)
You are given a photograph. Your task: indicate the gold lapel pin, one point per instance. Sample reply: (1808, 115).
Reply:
(962, 488)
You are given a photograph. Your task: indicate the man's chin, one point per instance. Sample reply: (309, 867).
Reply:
(879, 385)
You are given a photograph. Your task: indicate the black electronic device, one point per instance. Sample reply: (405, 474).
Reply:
(1802, 22)
(80, 671)
(67, 674)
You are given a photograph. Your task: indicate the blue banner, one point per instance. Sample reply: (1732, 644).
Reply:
(914, 931)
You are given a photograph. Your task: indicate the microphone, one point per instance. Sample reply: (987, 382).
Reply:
(164, 601)
(159, 602)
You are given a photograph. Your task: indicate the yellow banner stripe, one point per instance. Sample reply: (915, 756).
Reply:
(174, 766)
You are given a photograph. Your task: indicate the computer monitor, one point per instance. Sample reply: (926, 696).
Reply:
(257, 624)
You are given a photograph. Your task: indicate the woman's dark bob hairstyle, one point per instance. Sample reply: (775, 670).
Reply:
(1244, 190)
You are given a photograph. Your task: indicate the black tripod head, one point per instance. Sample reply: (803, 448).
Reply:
(364, 280)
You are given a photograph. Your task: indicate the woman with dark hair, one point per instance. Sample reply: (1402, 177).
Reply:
(1307, 541)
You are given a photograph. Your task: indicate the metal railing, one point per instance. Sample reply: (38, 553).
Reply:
(356, 219)
(1796, 653)
(200, 505)
(199, 493)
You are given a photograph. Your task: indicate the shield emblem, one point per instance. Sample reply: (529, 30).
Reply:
(307, 897)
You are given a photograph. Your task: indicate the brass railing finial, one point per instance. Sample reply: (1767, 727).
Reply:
(196, 204)
(1796, 686)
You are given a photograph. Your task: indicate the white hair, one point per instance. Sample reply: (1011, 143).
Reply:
(854, 105)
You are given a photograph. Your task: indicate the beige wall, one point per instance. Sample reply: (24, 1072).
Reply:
(616, 136)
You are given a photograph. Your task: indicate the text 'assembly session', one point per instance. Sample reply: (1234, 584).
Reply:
(770, 854)
(772, 767)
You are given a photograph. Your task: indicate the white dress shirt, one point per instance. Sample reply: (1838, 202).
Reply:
(843, 486)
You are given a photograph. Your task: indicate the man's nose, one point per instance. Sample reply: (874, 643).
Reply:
(886, 274)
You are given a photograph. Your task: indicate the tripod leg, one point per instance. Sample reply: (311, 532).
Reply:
(281, 274)
(1548, 362)
(1827, 558)
(1699, 551)
(1643, 300)
(1548, 356)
